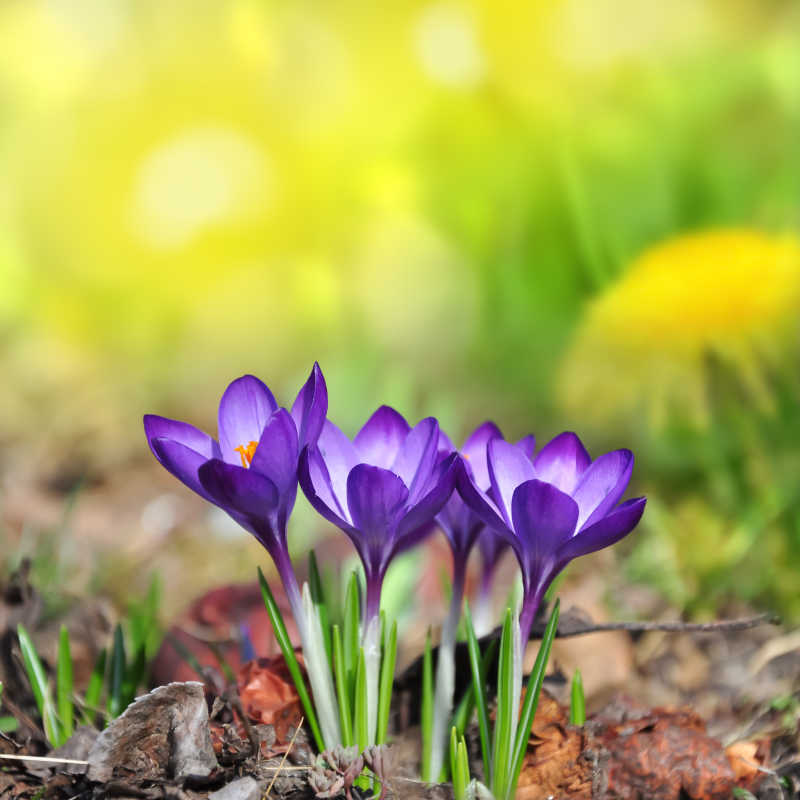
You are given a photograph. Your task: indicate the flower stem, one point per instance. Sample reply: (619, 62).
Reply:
(373, 604)
(530, 605)
(280, 555)
(445, 672)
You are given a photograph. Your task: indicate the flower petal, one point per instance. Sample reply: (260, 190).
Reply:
(381, 438)
(339, 455)
(492, 546)
(156, 427)
(182, 462)
(277, 452)
(544, 519)
(417, 457)
(316, 485)
(375, 496)
(602, 485)
(562, 461)
(474, 451)
(508, 468)
(311, 407)
(527, 444)
(446, 445)
(375, 499)
(480, 503)
(439, 489)
(239, 489)
(244, 411)
(607, 531)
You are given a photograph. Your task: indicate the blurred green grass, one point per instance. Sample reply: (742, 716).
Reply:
(425, 198)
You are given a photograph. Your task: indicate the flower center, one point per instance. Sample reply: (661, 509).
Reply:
(246, 451)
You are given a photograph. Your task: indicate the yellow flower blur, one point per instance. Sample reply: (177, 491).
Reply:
(643, 342)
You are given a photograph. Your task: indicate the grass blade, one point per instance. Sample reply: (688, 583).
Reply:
(117, 678)
(362, 724)
(64, 684)
(289, 657)
(342, 694)
(426, 714)
(91, 700)
(501, 746)
(577, 706)
(386, 684)
(462, 764)
(458, 786)
(321, 605)
(479, 695)
(40, 687)
(350, 633)
(532, 697)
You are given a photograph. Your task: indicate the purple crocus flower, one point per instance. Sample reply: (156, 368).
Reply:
(555, 508)
(462, 527)
(251, 472)
(383, 489)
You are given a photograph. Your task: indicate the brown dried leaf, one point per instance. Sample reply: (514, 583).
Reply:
(746, 758)
(662, 754)
(553, 766)
(268, 695)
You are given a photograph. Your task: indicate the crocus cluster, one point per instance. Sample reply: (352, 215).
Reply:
(390, 487)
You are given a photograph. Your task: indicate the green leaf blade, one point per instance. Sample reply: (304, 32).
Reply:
(284, 642)
(386, 684)
(577, 706)
(64, 684)
(532, 692)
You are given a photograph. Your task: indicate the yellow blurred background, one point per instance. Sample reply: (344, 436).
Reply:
(570, 214)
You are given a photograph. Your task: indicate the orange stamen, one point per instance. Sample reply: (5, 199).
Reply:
(246, 451)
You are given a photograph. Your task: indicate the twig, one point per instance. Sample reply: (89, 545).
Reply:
(288, 749)
(44, 758)
(574, 627)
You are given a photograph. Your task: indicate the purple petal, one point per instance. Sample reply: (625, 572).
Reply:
(277, 452)
(508, 468)
(244, 411)
(544, 519)
(474, 451)
(156, 427)
(316, 485)
(607, 531)
(239, 489)
(458, 521)
(446, 445)
(375, 499)
(310, 408)
(381, 438)
(340, 457)
(527, 444)
(375, 496)
(492, 547)
(602, 485)
(562, 461)
(182, 462)
(437, 494)
(417, 457)
(480, 503)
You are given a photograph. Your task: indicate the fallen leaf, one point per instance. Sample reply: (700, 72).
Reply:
(662, 754)
(269, 696)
